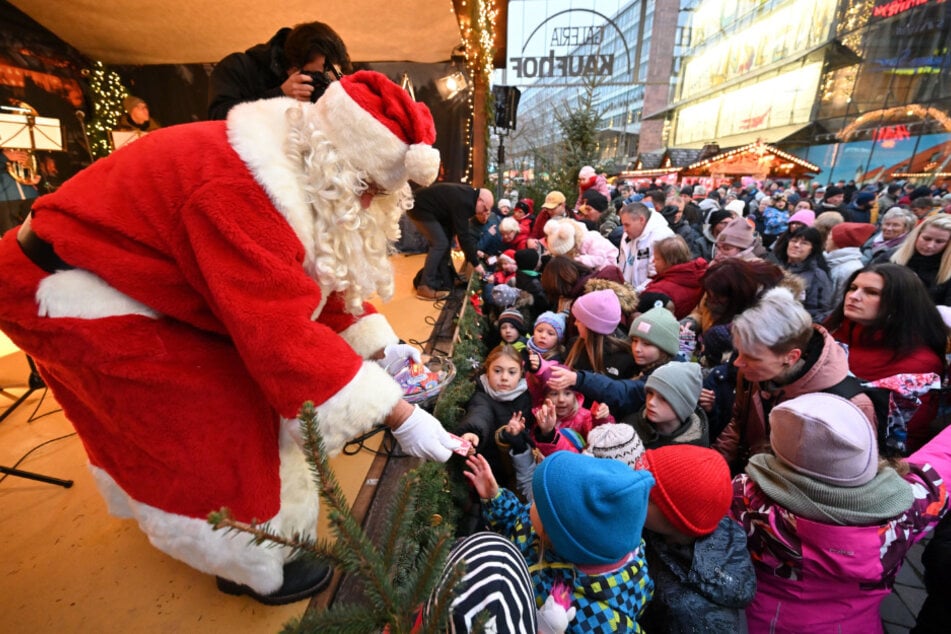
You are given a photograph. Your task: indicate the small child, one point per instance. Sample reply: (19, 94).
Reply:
(618, 441)
(512, 328)
(561, 424)
(655, 340)
(672, 414)
(527, 279)
(506, 268)
(696, 553)
(547, 336)
(501, 393)
(582, 530)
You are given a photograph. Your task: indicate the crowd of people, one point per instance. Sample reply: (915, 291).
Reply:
(767, 361)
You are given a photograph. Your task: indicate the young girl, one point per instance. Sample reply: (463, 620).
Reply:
(599, 346)
(500, 393)
(561, 424)
(583, 530)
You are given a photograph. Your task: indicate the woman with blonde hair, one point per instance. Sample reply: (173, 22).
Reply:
(925, 251)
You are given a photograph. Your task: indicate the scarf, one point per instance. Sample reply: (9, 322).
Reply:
(884, 497)
(505, 397)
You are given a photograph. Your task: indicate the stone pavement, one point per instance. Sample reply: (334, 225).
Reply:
(900, 608)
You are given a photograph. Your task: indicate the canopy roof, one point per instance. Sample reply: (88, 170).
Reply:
(202, 31)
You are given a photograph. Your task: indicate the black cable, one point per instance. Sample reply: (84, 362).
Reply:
(33, 417)
(26, 455)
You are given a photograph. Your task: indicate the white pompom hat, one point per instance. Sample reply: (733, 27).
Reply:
(375, 125)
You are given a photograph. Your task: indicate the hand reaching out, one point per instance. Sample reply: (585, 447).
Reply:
(479, 474)
(707, 400)
(600, 411)
(516, 424)
(562, 378)
(534, 361)
(473, 439)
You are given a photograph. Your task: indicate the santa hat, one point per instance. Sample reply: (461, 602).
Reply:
(507, 256)
(376, 126)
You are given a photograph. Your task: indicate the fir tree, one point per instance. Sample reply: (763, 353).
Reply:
(398, 574)
(108, 93)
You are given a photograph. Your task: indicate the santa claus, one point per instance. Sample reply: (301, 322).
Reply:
(183, 297)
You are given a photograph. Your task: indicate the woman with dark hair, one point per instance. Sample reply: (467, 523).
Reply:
(563, 280)
(678, 274)
(892, 327)
(731, 286)
(802, 256)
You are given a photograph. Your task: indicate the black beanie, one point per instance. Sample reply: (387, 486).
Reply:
(718, 216)
(526, 259)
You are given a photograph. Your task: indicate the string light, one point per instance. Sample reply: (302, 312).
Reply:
(478, 34)
(758, 148)
(108, 93)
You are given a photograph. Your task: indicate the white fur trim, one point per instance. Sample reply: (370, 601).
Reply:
(79, 293)
(227, 554)
(361, 139)
(422, 163)
(359, 406)
(369, 335)
(257, 130)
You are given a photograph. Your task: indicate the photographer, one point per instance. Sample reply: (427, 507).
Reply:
(298, 63)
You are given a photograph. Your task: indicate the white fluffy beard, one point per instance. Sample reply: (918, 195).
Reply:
(350, 244)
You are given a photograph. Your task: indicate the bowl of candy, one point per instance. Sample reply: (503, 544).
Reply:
(422, 382)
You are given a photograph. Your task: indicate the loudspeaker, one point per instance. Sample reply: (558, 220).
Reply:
(506, 106)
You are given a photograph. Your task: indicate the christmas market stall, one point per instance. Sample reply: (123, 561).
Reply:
(758, 161)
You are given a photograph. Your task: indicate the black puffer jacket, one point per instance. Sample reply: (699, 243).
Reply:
(254, 74)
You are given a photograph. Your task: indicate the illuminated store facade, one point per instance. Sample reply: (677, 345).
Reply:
(858, 88)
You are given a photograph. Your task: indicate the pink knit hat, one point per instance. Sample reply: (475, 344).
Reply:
(599, 311)
(804, 216)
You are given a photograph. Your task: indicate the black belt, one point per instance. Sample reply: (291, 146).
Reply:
(40, 251)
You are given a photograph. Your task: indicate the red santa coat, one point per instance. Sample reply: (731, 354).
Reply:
(182, 409)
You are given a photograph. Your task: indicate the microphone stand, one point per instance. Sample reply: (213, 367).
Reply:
(82, 126)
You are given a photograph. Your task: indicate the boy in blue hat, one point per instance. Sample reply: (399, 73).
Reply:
(583, 531)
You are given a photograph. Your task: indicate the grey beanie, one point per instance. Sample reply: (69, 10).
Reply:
(658, 327)
(679, 384)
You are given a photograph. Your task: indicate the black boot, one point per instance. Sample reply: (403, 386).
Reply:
(302, 578)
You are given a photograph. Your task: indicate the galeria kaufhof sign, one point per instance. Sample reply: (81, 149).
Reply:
(567, 43)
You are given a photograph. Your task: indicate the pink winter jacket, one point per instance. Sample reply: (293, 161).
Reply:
(815, 577)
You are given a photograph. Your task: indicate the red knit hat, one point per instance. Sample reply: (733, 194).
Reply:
(375, 125)
(693, 488)
(851, 234)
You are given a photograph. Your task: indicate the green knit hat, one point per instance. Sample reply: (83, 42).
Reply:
(658, 327)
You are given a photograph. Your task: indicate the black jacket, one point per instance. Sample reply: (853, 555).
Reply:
(451, 205)
(254, 74)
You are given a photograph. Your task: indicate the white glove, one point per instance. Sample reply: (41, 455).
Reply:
(423, 436)
(553, 618)
(395, 352)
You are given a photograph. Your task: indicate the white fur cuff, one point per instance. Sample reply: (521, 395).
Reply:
(369, 335)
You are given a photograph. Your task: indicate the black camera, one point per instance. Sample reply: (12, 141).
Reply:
(320, 81)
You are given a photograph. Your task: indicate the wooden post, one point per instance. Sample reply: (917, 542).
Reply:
(479, 129)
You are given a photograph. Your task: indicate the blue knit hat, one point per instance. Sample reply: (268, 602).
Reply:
(555, 320)
(592, 509)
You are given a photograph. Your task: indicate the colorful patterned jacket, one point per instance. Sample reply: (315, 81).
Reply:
(606, 600)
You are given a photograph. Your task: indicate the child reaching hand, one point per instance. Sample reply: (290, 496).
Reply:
(583, 530)
(500, 392)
